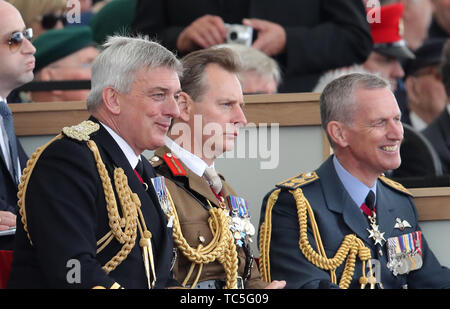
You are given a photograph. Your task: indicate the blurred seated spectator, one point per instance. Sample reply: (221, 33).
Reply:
(438, 132)
(64, 54)
(42, 15)
(260, 73)
(440, 26)
(115, 17)
(306, 38)
(388, 50)
(424, 88)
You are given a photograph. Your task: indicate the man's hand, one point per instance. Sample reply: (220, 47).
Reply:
(275, 284)
(204, 32)
(7, 220)
(271, 38)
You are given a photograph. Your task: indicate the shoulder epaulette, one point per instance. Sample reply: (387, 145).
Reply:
(298, 181)
(174, 164)
(82, 131)
(393, 184)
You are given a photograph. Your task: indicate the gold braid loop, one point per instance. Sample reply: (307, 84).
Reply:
(349, 248)
(221, 248)
(24, 180)
(124, 230)
(351, 245)
(265, 233)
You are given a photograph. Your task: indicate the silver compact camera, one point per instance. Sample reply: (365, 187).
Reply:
(239, 34)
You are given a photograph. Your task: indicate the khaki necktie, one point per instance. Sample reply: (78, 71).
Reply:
(213, 179)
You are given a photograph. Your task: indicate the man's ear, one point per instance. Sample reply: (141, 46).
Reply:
(111, 100)
(336, 131)
(185, 103)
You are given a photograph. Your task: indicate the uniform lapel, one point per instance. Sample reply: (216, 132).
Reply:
(112, 150)
(196, 183)
(385, 206)
(339, 201)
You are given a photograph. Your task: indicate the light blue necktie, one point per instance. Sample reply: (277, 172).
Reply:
(8, 124)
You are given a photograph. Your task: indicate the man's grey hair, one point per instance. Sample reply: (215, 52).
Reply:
(337, 101)
(444, 67)
(122, 57)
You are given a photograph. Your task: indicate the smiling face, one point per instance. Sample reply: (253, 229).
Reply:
(370, 145)
(146, 111)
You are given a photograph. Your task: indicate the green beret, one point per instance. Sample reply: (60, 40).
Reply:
(59, 43)
(115, 17)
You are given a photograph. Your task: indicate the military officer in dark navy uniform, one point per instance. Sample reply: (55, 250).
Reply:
(89, 216)
(346, 225)
(211, 223)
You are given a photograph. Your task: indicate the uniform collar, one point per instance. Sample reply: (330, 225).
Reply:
(355, 188)
(192, 162)
(124, 146)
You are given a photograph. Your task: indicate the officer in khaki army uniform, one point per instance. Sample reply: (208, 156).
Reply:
(211, 224)
(345, 225)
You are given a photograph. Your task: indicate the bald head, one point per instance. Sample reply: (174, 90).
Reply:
(16, 63)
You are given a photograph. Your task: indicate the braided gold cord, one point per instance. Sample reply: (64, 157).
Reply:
(221, 248)
(24, 180)
(265, 233)
(350, 247)
(129, 205)
(124, 230)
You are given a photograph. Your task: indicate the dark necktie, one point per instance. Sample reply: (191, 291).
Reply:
(8, 124)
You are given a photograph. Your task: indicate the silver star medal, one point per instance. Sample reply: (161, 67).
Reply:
(401, 224)
(376, 235)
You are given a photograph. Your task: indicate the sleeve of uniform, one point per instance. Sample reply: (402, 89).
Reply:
(432, 274)
(287, 262)
(343, 29)
(61, 201)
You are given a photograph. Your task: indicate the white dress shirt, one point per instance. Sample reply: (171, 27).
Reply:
(126, 149)
(193, 162)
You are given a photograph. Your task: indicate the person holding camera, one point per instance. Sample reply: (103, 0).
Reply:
(298, 34)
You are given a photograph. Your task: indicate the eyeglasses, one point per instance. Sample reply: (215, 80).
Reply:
(16, 39)
(49, 20)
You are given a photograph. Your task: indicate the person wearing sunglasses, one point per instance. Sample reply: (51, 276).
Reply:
(17, 64)
(42, 15)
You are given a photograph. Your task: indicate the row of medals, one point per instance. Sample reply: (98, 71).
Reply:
(399, 261)
(239, 219)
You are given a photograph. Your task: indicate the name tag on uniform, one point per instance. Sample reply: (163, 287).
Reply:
(405, 253)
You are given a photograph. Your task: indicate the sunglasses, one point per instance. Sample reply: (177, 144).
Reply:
(49, 20)
(16, 39)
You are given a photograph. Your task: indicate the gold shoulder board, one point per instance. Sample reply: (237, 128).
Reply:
(397, 186)
(298, 181)
(81, 131)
